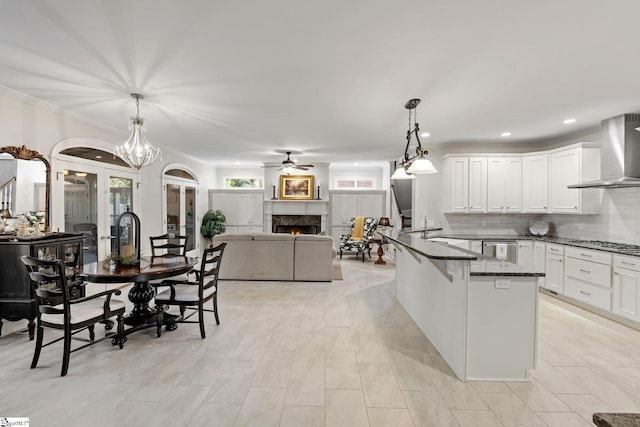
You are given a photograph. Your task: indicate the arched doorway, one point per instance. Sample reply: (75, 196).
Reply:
(180, 191)
(91, 187)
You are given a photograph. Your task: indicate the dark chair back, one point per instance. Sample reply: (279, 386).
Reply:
(210, 267)
(172, 245)
(49, 285)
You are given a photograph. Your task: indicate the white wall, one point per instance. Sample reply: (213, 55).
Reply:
(40, 126)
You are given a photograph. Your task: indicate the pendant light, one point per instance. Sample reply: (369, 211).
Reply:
(416, 163)
(401, 173)
(136, 151)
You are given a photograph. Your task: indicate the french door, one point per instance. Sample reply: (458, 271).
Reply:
(180, 210)
(94, 195)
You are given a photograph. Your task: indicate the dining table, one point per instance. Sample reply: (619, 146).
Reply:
(141, 293)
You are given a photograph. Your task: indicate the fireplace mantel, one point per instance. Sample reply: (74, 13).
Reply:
(296, 207)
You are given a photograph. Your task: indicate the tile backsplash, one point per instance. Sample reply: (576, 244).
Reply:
(618, 221)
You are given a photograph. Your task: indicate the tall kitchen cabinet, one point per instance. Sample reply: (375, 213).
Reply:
(456, 178)
(243, 209)
(535, 183)
(573, 166)
(346, 204)
(477, 184)
(504, 190)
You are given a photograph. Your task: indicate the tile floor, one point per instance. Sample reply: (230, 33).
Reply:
(315, 354)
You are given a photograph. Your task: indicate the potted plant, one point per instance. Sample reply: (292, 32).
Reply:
(212, 224)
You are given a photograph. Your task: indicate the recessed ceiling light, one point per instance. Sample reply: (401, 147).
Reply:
(569, 121)
(425, 134)
(98, 156)
(356, 164)
(505, 134)
(237, 163)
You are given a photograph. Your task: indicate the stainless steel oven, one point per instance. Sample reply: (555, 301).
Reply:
(501, 249)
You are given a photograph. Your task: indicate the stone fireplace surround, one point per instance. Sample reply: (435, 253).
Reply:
(296, 224)
(297, 208)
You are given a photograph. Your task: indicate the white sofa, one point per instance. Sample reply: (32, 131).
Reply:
(276, 256)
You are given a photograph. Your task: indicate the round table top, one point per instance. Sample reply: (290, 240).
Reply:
(97, 272)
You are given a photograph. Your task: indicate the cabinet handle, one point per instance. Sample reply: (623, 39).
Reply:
(544, 207)
(585, 271)
(616, 273)
(628, 263)
(575, 207)
(585, 293)
(587, 255)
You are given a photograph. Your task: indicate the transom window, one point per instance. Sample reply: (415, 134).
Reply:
(246, 182)
(354, 183)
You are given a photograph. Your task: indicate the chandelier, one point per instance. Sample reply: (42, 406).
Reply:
(410, 163)
(136, 151)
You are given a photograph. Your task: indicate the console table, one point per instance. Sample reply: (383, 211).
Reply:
(16, 298)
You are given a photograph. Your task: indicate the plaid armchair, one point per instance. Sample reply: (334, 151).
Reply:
(360, 246)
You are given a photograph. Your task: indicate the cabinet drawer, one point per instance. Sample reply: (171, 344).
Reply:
(588, 293)
(555, 249)
(586, 271)
(588, 255)
(629, 262)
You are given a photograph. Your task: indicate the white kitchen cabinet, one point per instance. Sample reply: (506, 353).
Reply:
(243, 209)
(525, 252)
(539, 260)
(504, 184)
(554, 267)
(535, 183)
(477, 184)
(456, 173)
(626, 287)
(572, 166)
(587, 277)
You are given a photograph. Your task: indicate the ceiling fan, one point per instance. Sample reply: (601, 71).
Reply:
(289, 165)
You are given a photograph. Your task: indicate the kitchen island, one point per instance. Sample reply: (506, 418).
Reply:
(480, 313)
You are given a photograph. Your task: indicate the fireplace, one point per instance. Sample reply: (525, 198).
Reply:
(296, 224)
(297, 229)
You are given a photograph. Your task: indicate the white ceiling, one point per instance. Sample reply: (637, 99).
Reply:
(231, 81)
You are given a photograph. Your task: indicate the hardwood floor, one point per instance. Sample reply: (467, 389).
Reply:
(314, 354)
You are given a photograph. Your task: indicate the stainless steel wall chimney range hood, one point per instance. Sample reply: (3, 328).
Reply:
(619, 155)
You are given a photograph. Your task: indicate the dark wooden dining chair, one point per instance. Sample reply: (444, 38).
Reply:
(193, 295)
(168, 245)
(56, 309)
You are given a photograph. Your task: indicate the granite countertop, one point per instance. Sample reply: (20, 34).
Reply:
(487, 266)
(433, 250)
(616, 419)
(480, 265)
(546, 239)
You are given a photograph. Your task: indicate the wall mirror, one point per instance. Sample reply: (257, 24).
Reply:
(25, 182)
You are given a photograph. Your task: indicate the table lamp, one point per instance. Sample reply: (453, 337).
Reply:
(384, 222)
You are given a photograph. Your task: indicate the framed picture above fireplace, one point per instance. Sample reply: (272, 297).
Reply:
(296, 187)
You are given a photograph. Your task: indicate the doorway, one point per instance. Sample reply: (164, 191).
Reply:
(180, 201)
(94, 195)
